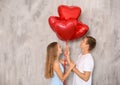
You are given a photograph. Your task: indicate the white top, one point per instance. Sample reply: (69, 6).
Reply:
(84, 63)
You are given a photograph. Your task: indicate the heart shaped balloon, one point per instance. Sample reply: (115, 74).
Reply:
(64, 29)
(69, 12)
(66, 26)
(81, 30)
(52, 20)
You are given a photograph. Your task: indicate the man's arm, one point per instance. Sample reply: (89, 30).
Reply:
(85, 76)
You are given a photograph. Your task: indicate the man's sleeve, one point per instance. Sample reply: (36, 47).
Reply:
(88, 64)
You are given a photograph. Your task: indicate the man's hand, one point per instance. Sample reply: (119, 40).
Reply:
(72, 65)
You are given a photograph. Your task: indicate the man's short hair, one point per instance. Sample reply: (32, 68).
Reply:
(91, 42)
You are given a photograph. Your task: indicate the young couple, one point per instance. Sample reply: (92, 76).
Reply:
(82, 69)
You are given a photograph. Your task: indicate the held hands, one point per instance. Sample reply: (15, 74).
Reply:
(67, 54)
(72, 65)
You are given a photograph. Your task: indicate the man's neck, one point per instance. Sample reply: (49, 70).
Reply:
(84, 52)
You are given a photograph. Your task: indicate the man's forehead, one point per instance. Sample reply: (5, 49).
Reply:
(84, 38)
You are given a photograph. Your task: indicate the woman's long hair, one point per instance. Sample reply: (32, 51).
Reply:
(50, 58)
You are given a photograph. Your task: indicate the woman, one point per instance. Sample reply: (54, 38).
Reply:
(53, 68)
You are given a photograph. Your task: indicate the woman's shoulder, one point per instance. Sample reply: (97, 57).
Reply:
(56, 63)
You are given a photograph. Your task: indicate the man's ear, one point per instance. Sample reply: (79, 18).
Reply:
(88, 46)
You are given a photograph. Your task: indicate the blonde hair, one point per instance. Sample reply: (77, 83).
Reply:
(50, 58)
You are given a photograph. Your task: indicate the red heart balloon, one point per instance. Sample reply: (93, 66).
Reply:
(69, 12)
(65, 29)
(52, 20)
(81, 30)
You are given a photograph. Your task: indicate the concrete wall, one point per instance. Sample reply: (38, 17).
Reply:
(25, 33)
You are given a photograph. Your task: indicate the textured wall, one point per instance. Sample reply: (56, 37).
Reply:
(25, 33)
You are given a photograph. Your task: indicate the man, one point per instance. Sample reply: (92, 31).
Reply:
(85, 63)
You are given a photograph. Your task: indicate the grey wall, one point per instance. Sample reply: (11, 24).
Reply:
(25, 33)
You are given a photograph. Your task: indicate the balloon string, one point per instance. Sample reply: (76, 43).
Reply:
(65, 64)
(67, 42)
(64, 69)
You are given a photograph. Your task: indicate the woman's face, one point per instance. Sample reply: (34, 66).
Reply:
(59, 49)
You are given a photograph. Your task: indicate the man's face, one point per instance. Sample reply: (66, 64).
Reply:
(84, 44)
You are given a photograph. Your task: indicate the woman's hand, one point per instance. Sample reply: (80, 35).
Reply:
(67, 53)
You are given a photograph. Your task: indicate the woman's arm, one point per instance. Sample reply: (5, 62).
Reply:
(59, 72)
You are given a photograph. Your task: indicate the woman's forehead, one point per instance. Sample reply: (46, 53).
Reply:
(58, 45)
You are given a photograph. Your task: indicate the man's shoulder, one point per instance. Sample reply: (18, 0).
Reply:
(89, 57)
